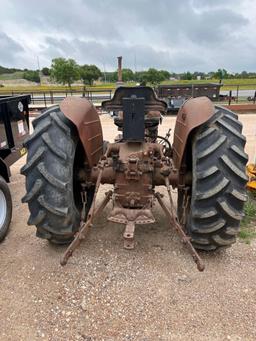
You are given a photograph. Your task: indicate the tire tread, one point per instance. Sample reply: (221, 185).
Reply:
(219, 179)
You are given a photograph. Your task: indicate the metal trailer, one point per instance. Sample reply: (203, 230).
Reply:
(176, 95)
(14, 128)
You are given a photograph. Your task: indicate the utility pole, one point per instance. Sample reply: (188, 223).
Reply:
(104, 71)
(135, 63)
(39, 72)
(135, 67)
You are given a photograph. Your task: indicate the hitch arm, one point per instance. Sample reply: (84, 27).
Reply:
(84, 230)
(185, 239)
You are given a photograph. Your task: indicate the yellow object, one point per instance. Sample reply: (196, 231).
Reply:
(23, 151)
(251, 172)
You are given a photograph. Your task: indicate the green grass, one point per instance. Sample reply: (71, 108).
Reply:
(229, 84)
(35, 88)
(248, 228)
(11, 76)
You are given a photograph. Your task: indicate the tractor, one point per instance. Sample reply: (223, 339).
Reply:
(68, 161)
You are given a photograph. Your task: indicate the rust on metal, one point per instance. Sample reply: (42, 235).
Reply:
(85, 117)
(173, 221)
(192, 114)
(129, 235)
(241, 107)
(134, 165)
(119, 59)
(84, 229)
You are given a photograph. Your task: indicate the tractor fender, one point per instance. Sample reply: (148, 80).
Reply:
(193, 113)
(86, 119)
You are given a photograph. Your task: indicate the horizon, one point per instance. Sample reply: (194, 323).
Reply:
(138, 71)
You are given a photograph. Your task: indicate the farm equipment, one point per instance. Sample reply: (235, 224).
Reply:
(252, 98)
(176, 94)
(68, 161)
(251, 172)
(14, 122)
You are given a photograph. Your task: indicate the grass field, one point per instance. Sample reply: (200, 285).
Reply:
(11, 76)
(228, 84)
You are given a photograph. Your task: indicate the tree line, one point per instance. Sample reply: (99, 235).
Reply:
(67, 71)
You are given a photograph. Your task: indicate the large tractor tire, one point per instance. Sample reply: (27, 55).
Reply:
(5, 208)
(55, 156)
(217, 196)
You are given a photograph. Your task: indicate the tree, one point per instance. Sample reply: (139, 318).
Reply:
(46, 71)
(154, 76)
(89, 73)
(8, 70)
(244, 74)
(166, 74)
(32, 76)
(187, 76)
(111, 76)
(221, 74)
(127, 75)
(65, 71)
(199, 74)
(141, 77)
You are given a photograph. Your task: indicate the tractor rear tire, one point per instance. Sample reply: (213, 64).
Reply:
(218, 190)
(5, 208)
(53, 193)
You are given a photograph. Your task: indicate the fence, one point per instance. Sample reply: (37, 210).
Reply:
(45, 98)
(236, 94)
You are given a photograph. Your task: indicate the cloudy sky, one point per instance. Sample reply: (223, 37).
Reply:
(177, 35)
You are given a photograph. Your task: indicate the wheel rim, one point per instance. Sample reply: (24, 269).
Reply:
(3, 209)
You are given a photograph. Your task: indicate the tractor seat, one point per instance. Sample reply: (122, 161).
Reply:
(152, 103)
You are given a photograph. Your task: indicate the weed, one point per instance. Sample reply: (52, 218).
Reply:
(248, 228)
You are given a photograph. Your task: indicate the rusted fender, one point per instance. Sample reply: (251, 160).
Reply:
(85, 117)
(192, 114)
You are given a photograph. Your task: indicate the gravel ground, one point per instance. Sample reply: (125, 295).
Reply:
(153, 292)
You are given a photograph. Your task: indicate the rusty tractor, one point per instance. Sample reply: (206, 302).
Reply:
(68, 160)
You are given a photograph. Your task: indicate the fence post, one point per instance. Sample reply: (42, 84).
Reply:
(51, 95)
(45, 100)
(237, 90)
(230, 97)
(254, 98)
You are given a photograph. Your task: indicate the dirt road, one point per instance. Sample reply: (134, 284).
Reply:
(107, 293)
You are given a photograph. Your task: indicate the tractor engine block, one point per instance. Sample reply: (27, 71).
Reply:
(135, 168)
(134, 174)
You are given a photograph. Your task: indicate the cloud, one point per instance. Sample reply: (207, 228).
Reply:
(171, 34)
(104, 54)
(10, 49)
